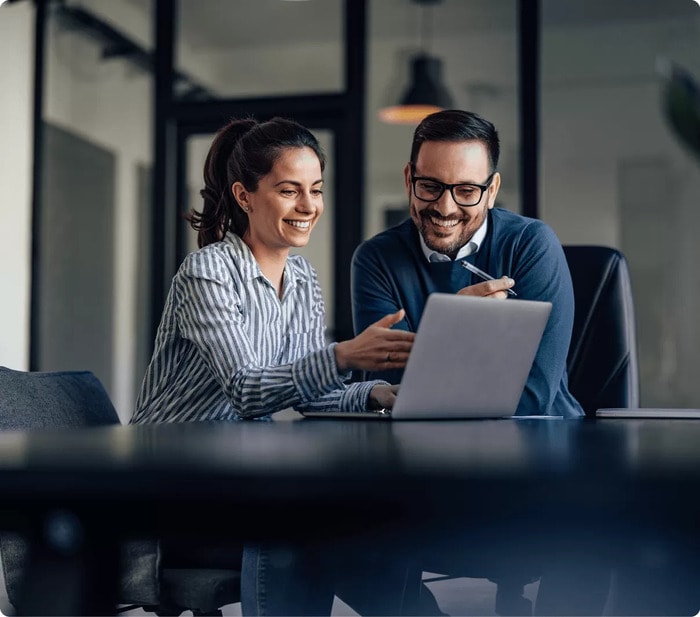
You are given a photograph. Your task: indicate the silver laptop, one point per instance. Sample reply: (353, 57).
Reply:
(470, 359)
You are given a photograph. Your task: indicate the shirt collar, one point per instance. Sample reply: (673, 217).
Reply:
(294, 273)
(469, 248)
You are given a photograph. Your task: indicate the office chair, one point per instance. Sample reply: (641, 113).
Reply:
(36, 400)
(602, 364)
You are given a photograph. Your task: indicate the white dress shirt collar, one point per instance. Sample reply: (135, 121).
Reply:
(470, 247)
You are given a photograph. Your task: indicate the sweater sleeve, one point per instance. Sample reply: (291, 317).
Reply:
(374, 295)
(541, 273)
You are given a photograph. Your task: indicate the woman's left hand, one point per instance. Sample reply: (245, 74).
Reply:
(382, 396)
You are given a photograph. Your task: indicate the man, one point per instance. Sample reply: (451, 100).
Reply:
(452, 183)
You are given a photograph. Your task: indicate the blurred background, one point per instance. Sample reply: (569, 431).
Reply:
(107, 108)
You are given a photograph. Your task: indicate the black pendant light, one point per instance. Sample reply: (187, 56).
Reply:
(425, 93)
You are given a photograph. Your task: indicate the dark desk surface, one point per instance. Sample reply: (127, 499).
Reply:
(521, 485)
(561, 468)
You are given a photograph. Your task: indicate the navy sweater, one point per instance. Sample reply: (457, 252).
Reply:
(390, 272)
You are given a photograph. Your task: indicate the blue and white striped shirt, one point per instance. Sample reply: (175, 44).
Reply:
(228, 348)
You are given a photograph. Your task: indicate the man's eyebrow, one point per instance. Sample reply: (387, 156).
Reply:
(443, 182)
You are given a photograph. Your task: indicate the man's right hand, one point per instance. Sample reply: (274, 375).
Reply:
(489, 289)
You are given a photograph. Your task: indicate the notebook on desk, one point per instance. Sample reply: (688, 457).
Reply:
(470, 359)
(648, 412)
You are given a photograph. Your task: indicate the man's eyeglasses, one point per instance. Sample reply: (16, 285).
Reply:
(428, 189)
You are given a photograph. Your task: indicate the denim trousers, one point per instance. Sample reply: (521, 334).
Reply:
(302, 579)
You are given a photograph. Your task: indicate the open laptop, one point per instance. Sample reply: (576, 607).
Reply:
(470, 359)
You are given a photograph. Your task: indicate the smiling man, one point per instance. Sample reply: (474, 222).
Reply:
(452, 182)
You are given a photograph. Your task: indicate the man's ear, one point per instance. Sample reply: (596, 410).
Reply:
(407, 178)
(241, 195)
(493, 189)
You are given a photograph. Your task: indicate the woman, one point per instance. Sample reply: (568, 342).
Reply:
(242, 332)
(242, 336)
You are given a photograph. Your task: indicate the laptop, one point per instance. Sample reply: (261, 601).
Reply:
(470, 359)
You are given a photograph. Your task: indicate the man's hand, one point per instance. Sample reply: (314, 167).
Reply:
(489, 289)
(378, 348)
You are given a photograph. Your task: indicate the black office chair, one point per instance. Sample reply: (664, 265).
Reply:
(602, 364)
(36, 400)
(603, 368)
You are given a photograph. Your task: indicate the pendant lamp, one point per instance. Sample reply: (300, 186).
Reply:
(425, 93)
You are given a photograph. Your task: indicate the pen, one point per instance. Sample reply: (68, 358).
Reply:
(482, 274)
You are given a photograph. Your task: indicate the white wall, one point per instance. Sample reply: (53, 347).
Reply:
(16, 109)
(108, 104)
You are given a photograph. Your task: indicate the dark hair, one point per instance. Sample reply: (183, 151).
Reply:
(457, 125)
(244, 150)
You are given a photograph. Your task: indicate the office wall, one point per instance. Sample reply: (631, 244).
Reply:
(75, 302)
(16, 105)
(107, 102)
(613, 172)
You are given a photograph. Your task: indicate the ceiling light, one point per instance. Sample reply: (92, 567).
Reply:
(425, 93)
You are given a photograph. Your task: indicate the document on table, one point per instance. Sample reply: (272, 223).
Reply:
(648, 412)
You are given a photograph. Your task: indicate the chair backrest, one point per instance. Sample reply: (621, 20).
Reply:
(37, 400)
(34, 400)
(602, 363)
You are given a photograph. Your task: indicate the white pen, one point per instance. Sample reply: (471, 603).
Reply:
(484, 275)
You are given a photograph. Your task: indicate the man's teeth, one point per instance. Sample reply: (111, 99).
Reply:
(300, 224)
(443, 222)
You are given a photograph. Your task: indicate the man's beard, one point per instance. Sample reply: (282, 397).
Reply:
(450, 249)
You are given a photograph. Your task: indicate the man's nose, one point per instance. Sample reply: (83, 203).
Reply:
(446, 204)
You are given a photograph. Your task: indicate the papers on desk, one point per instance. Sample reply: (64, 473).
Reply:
(540, 417)
(648, 412)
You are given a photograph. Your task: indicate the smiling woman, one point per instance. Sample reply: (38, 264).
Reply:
(242, 332)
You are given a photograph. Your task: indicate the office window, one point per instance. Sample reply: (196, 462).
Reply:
(614, 173)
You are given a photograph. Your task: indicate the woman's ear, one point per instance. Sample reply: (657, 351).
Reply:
(241, 195)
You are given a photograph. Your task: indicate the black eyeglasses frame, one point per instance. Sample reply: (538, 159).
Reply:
(450, 187)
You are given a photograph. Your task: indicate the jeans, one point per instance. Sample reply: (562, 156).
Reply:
(302, 580)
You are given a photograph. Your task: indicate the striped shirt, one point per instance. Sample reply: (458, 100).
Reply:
(228, 348)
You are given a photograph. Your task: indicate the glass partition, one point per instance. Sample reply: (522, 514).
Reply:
(476, 43)
(254, 48)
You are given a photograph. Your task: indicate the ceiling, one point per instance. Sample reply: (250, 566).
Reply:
(213, 24)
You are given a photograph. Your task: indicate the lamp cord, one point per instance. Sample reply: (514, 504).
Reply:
(426, 29)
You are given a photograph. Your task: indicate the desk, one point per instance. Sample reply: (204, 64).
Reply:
(601, 480)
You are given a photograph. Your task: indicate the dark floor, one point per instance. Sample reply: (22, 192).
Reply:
(463, 596)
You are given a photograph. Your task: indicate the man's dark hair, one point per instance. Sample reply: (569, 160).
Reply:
(457, 125)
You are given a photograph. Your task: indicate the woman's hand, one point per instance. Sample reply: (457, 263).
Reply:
(378, 348)
(382, 397)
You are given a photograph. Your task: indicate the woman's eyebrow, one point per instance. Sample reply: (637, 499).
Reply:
(297, 183)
